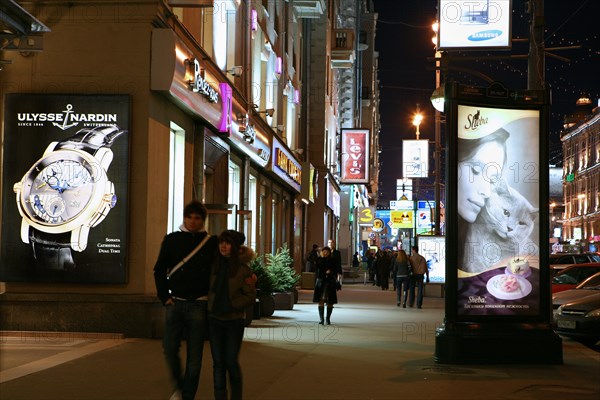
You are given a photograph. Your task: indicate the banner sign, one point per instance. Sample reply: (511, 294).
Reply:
(65, 188)
(415, 158)
(355, 156)
(402, 219)
(474, 24)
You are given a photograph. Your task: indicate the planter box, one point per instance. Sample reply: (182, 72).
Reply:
(284, 300)
(267, 305)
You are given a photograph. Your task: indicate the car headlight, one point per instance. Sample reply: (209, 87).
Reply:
(559, 310)
(593, 314)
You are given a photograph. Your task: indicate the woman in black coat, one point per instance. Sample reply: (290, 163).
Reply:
(328, 282)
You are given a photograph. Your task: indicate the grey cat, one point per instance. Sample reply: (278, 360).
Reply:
(501, 230)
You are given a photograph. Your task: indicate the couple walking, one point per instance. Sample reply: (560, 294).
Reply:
(410, 274)
(205, 284)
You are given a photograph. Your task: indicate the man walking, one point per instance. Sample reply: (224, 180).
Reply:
(419, 269)
(181, 275)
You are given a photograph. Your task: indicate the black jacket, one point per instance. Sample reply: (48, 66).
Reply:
(191, 281)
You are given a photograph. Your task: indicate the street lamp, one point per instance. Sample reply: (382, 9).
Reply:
(437, 100)
(417, 118)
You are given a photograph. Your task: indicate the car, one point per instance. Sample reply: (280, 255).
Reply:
(580, 319)
(586, 288)
(561, 261)
(572, 276)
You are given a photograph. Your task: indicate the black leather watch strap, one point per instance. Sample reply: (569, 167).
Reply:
(91, 140)
(51, 251)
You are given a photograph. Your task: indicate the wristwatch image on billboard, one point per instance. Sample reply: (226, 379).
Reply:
(65, 194)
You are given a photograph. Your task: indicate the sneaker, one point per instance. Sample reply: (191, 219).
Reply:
(176, 395)
(398, 304)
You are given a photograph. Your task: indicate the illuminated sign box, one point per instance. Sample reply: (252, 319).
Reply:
(415, 158)
(474, 24)
(355, 156)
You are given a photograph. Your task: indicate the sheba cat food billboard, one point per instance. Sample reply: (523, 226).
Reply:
(497, 206)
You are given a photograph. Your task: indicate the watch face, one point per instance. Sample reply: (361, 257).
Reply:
(61, 187)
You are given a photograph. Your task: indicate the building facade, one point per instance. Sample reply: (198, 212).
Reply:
(581, 178)
(217, 100)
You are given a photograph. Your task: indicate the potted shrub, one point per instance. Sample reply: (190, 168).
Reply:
(264, 287)
(284, 278)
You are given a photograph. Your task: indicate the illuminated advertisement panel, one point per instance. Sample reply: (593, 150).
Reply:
(433, 248)
(474, 24)
(65, 197)
(415, 159)
(497, 205)
(355, 156)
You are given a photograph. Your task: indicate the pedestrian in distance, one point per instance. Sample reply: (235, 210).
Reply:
(384, 264)
(311, 258)
(403, 279)
(232, 290)
(327, 284)
(181, 275)
(356, 260)
(419, 271)
(335, 255)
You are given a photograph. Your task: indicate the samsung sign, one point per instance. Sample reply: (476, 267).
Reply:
(474, 24)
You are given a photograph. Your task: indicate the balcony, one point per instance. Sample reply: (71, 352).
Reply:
(342, 48)
(309, 8)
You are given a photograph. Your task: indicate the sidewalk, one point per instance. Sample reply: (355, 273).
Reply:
(373, 350)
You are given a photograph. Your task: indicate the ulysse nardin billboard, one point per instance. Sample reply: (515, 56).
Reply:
(65, 188)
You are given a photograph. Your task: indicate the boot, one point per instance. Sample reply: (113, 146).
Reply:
(329, 311)
(321, 312)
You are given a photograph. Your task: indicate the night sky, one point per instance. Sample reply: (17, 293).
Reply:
(407, 77)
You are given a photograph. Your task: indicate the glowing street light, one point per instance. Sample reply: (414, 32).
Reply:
(417, 119)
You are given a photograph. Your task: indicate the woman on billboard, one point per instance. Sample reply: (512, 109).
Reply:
(480, 163)
(495, 219)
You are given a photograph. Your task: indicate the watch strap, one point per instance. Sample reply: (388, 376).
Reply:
(91, 140)
(51, 251)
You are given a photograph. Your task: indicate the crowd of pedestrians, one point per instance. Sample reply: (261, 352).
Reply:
(408, 274)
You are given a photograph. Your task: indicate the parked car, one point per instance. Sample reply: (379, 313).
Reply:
(580, 320)
(586, 288)
(561, 261)
(572, 276)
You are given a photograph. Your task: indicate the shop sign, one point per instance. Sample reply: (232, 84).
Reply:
(366, 215)
(199, 84)
(355, 156)
(333, 198)
(402, 219)
(285, 166)
(187, 80)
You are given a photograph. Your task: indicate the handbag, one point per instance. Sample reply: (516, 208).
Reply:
(187, 258)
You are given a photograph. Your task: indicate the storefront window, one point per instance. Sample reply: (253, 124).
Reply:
(275, 221)
(250, 228)
(176, 177)
(234, 193)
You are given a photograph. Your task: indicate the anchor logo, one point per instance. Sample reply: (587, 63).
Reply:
(64, 126)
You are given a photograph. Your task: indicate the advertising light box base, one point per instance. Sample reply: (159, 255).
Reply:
(465, 344)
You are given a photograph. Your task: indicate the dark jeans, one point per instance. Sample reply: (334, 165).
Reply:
(402, 285)
(225, 344)
(189, 319)
(416, 281)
